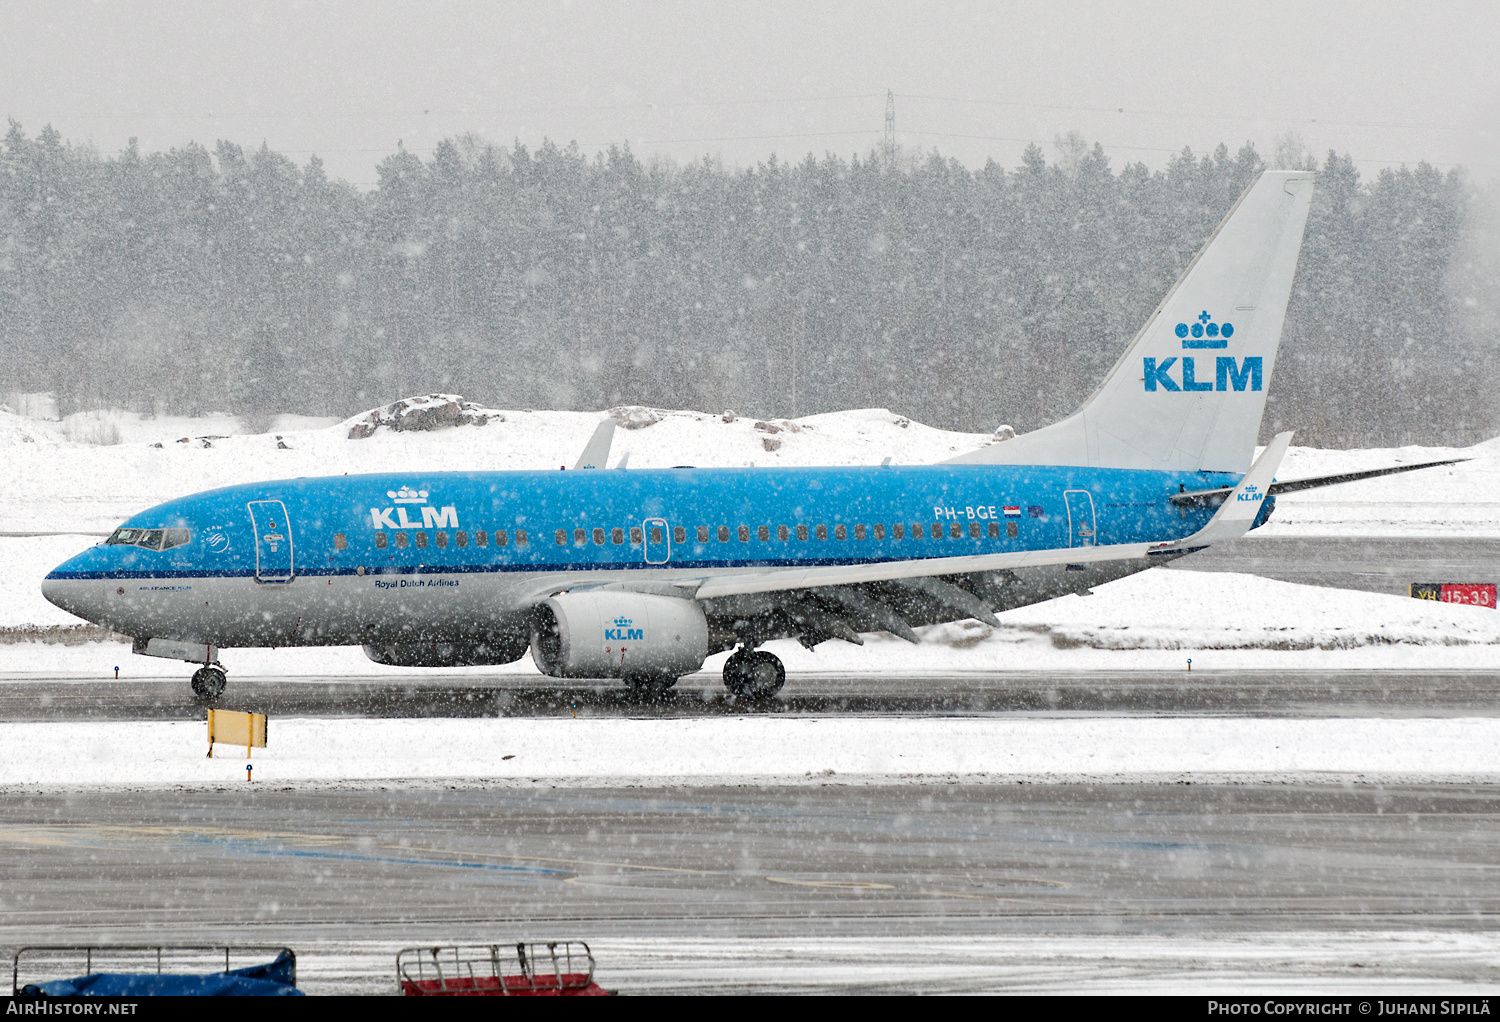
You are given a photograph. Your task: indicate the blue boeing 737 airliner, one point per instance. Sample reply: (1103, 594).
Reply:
(641, 575)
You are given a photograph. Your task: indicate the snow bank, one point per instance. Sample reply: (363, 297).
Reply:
(61, 484)
(777, 749)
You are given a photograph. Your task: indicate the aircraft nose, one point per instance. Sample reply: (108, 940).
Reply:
(64, 588)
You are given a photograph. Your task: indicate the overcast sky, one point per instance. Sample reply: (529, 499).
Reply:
(1386, 82)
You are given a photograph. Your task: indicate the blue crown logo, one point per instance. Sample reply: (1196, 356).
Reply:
(1205, 333)
(622, 622)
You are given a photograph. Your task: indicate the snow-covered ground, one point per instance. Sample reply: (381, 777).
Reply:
(59, 483)
(756, 749)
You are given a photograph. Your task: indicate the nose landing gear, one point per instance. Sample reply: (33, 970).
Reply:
(754, 674)
(209, 682)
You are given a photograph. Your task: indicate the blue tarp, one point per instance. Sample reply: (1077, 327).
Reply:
(274, 979)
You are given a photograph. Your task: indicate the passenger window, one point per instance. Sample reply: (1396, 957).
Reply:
(481, 538)
(562, 537)
(340, 541)
(598, 537)
(783, 533)
(859, 532)
(973, 530)
(401, 540)
(839, 532)
(955, 530)
(461, 538)
(802, 533)
(380, 541)
(635, 535)
(702, 534)
(679, 535)
(580, 536)
(994, 530)
(744, 533)
(656, 534)
(617, 535)
(917, 532)
(1011, 530)
(442, 539)
(763, 533)
(422, 541)
(879, 531)
(822, 532)
(520, 537)
(723, 534)
(898, 531)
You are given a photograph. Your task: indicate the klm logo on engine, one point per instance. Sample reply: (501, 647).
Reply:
(1228, 374)
(396, 517)
(623, 632)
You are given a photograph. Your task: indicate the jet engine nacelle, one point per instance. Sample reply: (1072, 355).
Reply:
(505, 650)
(618, 635)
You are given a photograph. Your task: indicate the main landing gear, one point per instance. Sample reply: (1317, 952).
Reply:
(209, 682)
(754, 674)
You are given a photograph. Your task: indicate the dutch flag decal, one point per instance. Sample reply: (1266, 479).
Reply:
(1012, 511)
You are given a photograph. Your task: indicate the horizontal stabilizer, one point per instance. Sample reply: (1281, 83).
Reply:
(1213, 498)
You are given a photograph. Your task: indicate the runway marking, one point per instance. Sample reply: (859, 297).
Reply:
(842, 885)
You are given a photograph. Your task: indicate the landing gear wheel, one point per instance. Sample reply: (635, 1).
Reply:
(208, 683)
(754, 674)
(650, 686)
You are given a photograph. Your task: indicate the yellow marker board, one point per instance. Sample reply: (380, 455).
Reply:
(234, 727)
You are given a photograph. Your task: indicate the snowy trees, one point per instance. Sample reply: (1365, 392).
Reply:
(192, 280)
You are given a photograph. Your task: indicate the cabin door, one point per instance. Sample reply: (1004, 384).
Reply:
(1081, 527)
(273, 541)
(658, 540)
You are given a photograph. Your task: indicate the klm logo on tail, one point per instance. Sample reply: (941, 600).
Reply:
(1229, 374)
(1205, 333)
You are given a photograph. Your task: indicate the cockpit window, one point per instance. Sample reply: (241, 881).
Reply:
(149, 539)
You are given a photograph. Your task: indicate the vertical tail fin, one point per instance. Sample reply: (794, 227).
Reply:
(1189, 392)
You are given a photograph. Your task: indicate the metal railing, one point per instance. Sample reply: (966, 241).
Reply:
(141, 958)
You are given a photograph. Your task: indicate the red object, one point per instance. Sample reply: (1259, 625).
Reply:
(553, 969)
(1470, 594)
(574, 984)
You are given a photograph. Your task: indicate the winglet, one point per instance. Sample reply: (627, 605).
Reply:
(1237, 513)
(596, 454)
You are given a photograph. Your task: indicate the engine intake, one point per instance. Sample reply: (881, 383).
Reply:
(618, 635)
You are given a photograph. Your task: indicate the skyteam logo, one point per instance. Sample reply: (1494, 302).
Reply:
(1205, 333)
(623, 631)
(395, 517)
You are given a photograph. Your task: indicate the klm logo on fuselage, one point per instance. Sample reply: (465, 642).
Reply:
(1229, 373)
(622, 632)
(396, 517)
